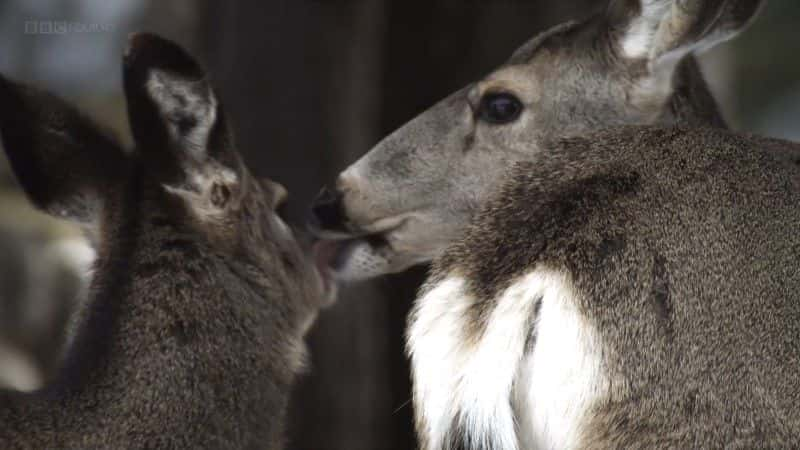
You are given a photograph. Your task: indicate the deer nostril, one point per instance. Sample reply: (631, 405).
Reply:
(327, 213)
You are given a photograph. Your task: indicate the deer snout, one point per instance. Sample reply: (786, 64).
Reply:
(349, 209)
(327, 212)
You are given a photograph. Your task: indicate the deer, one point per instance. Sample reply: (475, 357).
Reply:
(636, 287)
(192, 332)
(631, 63)
(611, 267)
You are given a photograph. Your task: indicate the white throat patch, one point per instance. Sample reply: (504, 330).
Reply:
(501, 394)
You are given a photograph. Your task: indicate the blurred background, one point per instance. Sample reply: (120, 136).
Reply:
(310, 85)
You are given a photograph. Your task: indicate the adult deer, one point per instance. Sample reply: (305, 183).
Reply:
(633, 63)
(192, 334)
(627, 289)
(633, 288)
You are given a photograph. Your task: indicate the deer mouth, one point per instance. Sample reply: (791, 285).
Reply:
(352, 259)
(336, 253)
(363, 257)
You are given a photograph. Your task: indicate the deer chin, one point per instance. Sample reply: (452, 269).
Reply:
(366, 257)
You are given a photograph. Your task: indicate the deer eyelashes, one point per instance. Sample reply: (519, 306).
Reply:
(499, 108)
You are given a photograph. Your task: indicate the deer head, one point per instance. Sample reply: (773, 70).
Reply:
(414, 192)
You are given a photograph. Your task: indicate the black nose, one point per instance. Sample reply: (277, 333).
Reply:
(327, 213)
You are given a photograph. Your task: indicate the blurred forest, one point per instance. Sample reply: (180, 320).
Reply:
(310, 85)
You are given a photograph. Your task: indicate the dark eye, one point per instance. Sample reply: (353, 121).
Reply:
(499, 108)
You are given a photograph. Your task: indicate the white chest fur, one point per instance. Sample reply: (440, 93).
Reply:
(561, 377)
(503, 394)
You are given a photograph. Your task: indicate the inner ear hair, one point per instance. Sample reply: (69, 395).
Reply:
(188, 108)
(636, 23)
(664, 31)
(179, 127)
(172, 106)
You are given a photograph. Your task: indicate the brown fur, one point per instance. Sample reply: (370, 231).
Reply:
(682, 246)
(192, 336)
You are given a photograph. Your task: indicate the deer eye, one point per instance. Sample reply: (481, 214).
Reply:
(499, 108)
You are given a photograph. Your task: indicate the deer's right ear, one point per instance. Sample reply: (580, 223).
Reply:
(175, 117)
(62, 160)
(662, 32)
(179, 125)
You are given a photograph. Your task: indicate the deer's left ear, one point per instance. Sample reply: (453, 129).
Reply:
(662, 32)
(178, 123)
(64, 162)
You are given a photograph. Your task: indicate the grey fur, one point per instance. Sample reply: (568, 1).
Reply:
(192, 335)
(415, 191)
(682, 245)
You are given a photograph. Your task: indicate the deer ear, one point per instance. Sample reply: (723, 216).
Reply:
(662, 32)
(175, 117)
(62, 160)
(179, 126)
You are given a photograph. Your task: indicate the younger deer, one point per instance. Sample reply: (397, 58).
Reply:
(631, 289)
(192, 335)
